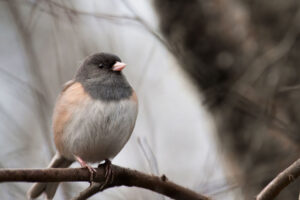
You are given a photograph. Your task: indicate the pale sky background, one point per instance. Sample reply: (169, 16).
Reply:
(175, 130)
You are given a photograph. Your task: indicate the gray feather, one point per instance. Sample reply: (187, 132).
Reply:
(99, 130)
(48, 188)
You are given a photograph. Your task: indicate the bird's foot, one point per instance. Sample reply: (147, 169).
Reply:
(108, 174)
(90, 168)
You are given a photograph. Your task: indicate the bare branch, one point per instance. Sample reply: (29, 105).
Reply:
(114, 18)
(88, 192)
(262, 63)
(289, 88)
(122, 177)
(147, 27)
(34, 70)
(283, 179)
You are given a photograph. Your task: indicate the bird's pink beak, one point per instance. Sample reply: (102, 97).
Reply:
(118, 66)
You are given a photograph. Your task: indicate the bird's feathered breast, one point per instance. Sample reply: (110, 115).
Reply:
(80, 119)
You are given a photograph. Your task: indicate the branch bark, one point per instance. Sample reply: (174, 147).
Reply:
(283, 179)
(121, 177)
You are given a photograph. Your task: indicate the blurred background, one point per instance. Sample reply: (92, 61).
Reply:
(217, 81)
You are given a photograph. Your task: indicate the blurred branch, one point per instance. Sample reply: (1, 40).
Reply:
(34, 70)
(148, 154)
(121, 177)
(289, 88)
(262, 63)
(150, 157)
(286, 177)
(110, 17)
(146, 67)
(255, 109)
(25, 84)
(96, 15)
(147, 27)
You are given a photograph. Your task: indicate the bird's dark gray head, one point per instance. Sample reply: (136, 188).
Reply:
(100, 74)
(99, 64)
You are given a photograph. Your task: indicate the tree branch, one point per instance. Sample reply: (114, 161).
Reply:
(111, 18)
(121, 177)
(283, 179)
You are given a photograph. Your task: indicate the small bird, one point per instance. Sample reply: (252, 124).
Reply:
(93, 118)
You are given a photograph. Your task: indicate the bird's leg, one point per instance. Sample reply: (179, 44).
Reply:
(85, 165)
(108, 173)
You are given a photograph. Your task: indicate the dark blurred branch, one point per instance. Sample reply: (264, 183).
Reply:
(121, 177)
(230, 51)
(289, 88)
(283, 179)
(253, 109)
(262, 63)
(88, 192)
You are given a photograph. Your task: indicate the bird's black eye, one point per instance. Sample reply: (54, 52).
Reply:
(100, 65)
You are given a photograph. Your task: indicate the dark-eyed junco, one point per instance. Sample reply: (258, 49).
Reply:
(93, 118)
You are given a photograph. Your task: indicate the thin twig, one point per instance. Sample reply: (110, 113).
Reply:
(114, 18)
(149, 155)
(289, 88)
(283, 179)
(147, 27)
(34, 71)
(25, 84)
(262, 63)
(122, 177)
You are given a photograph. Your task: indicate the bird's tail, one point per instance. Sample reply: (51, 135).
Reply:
(48, 188)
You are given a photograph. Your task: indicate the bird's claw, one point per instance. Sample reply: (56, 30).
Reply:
(108, 174)
(90, 168)
(92, 172)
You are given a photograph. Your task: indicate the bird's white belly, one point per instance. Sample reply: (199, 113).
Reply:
(99, 130)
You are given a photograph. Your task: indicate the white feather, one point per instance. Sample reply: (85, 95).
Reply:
(99, 130)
